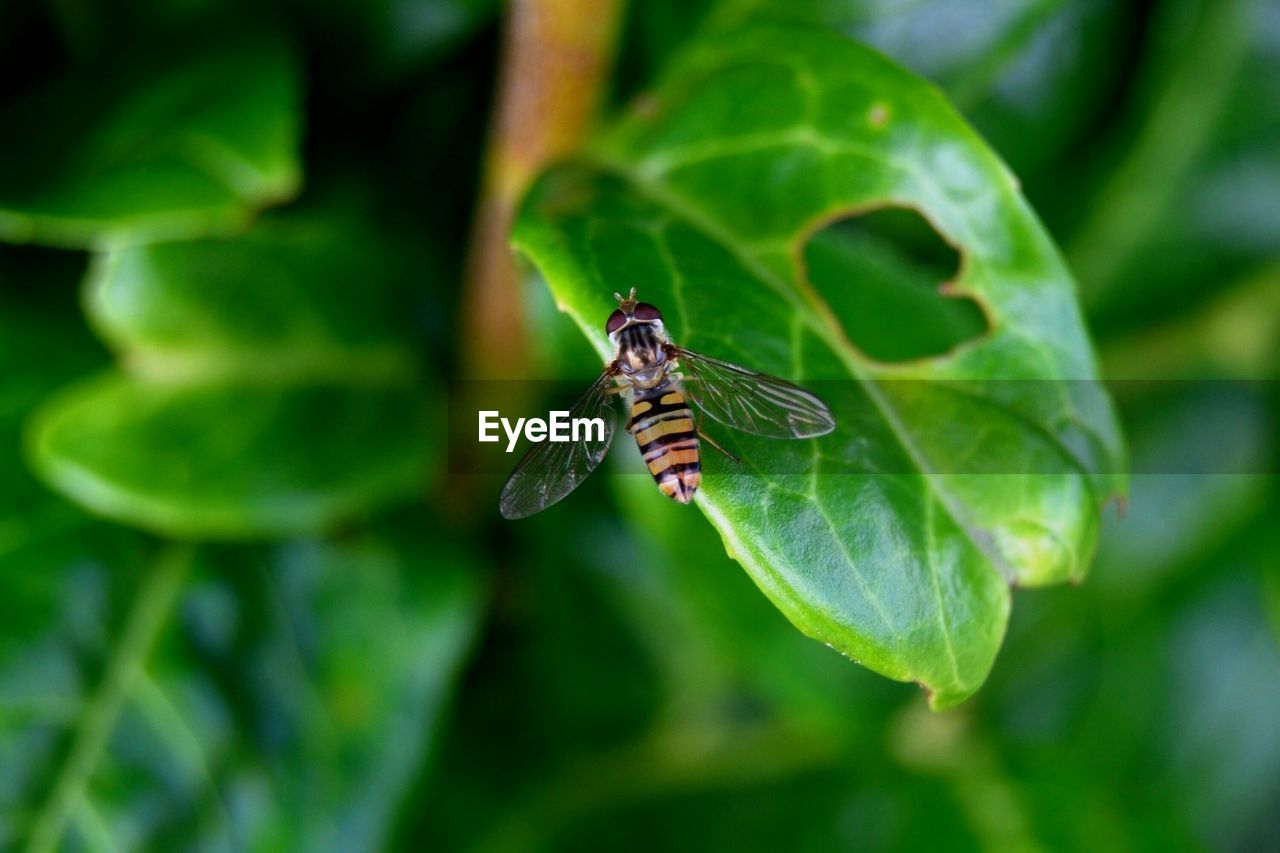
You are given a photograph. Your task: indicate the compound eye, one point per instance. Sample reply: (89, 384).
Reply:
(616, 321)
(645, 311)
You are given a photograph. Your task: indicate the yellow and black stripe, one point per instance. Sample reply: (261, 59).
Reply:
(663, 426)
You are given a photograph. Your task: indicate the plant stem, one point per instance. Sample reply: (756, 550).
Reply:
(150, 612)
(555, 63)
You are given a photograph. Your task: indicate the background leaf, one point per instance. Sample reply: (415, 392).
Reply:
(240, 416)
(256, 718)
(191, 146)
(148, 454)
(703, 196)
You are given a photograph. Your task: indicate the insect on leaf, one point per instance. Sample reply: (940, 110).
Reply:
(896, 538)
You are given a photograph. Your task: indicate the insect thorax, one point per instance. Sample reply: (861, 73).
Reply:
(642, 354)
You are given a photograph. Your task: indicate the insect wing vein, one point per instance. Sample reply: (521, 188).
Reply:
(753, 402)
(551, 470)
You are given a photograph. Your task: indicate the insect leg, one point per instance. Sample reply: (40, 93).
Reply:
(618, 386)
(709, 440)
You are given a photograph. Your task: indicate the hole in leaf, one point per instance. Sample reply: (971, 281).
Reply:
(880, 273)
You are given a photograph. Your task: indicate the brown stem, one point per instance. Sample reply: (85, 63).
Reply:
(556, 58)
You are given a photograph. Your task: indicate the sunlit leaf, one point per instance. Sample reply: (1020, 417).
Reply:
(883, 539)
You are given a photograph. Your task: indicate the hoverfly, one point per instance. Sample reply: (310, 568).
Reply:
(661, 378)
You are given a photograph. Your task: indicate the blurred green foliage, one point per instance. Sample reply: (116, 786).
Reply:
(284, 626)
(263, 338)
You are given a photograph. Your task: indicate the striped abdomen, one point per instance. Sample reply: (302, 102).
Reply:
(663, 426)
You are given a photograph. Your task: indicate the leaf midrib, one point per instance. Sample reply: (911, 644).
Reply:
(820, 319)
(148, 617)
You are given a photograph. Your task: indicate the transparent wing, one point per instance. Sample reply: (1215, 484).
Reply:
(551, 470)
(753, 402)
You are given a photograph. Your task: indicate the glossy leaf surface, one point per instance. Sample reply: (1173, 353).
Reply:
(889, 539)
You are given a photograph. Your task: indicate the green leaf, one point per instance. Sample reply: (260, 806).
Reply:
(296, 298)
(263, 393)
(187, 147)
(218, 459)
(887, 540)
(240, 698)
(1015, 53)
(718, 641)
